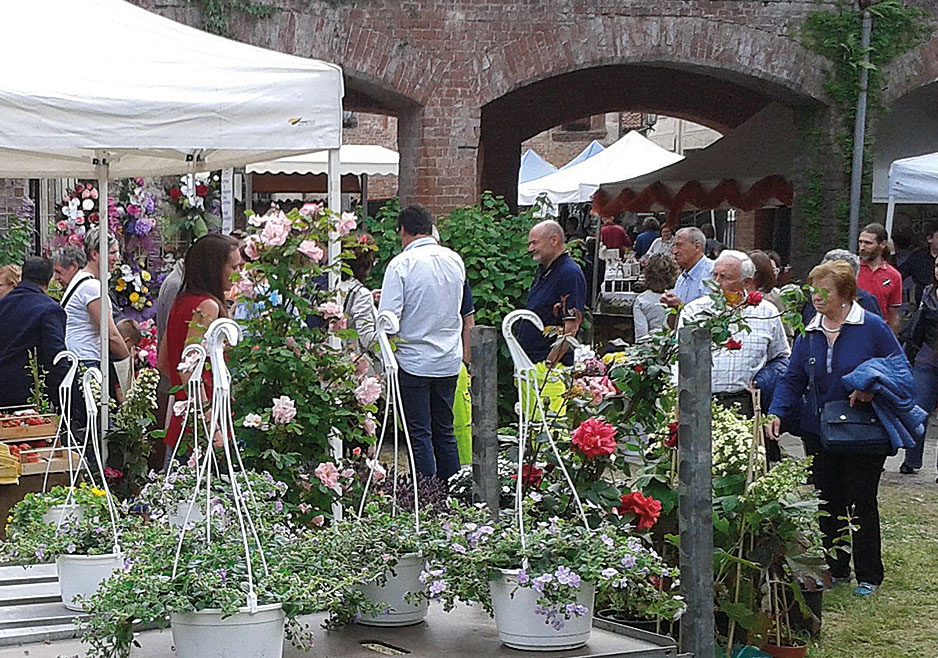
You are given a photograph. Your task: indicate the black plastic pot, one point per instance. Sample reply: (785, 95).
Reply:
(807, 622)
(650, 625)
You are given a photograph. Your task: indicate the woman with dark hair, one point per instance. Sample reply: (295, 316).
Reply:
(210, 262)
(648, 313)
(356, 300)
(765, 279)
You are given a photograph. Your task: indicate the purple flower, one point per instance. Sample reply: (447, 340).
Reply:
(458, 548)
(609, 573)
(607, 540)
(628, 561)
(41, 554)
(523, 578)
(436, 588)
(71, 548)
(222, 574)
(278, 506)
(567, 577)
(542, 580)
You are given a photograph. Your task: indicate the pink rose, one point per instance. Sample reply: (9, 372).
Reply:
(284, 410)
(257, 220)
(368, 391)
(378, 471)
(338, 325)
(311, 210)
(243, 288)
(275, 232)
(330, 310)
(347, 223)
(370, 426)
(310, 249)
(318, 520)
(250, 247)
(328, 474)
(179, 408)
(62, 225)
(362, 365)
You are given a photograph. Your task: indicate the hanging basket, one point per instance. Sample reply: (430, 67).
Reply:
(178, 518)
(520, 627)
(58, 514)
(80, 575)
(209, 634)
(391, 596)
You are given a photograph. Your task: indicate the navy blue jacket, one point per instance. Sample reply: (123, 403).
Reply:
(893, 388)
(863, 336)
(557, 288)
(30, 320)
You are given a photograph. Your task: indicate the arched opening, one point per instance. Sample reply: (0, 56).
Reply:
(715, 98)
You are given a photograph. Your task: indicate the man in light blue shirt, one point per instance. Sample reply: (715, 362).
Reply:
(423, 286)
(688, 251)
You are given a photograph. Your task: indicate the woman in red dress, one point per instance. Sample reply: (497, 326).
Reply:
(209, 264)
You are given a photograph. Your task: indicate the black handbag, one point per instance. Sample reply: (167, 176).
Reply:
(846, 429)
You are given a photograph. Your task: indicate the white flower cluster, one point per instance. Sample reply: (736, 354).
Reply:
(732, 441)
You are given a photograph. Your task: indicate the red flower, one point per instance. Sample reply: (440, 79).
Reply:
(733, 344)
(671, 440)
(646, 510)
(754, 298)
(175, 193)
(531, 475)
(639, 368)
(201, 190)
(594, 438)
(113, 474)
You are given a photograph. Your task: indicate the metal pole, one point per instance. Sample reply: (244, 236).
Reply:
(102, 172)
(859, 129)
(485, 480)
(595, 292)
(695, 492)
(364, 194)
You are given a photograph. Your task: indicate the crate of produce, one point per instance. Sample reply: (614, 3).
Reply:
(57, 461)
(26, 423)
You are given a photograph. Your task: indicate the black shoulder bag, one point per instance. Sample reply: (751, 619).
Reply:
(847, 429)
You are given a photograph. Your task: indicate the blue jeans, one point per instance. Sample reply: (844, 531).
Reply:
(926, 396)
(428, 408)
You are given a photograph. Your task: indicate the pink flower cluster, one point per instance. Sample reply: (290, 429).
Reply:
(599, 387)
(275, 231)
(310, 249)
(347, 223)
(368, 391)
(284, 410)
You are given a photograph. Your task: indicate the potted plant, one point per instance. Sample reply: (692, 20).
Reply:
(539, 584)
(220, 599)
(83, 542)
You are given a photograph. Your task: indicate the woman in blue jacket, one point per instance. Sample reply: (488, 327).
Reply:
(840, 337)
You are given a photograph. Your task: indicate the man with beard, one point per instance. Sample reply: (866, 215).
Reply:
(877, 276)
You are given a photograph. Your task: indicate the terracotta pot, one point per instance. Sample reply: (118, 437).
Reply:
(777, 651)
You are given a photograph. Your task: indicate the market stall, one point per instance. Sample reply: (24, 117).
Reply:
(912, 180)
(133, 101)
(533, 166)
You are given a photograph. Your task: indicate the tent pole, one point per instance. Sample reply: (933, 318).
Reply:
(102, 172)
(335, 204)
(248, 190)
(890, 212)
(364, 195)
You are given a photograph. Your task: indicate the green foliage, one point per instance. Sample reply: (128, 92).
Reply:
(15, 240)
(38, 397)
(217, 14)
(383, 228)
(129, 443)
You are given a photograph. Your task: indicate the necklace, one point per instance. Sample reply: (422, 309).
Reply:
(828, 331)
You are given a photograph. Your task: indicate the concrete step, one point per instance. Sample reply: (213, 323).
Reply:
(29, 574)
(30, 593)
(36, 614)
(14, 636)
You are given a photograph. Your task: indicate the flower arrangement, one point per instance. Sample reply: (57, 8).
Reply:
(192, 208)
(32, 540)
(78, 211)
(132, 286)
(290, 382)
(147, 347)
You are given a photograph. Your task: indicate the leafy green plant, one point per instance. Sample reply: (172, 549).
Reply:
(15, 240)
(129, 443)
(217, 14)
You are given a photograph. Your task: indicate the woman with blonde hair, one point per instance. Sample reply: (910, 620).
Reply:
(10, 277)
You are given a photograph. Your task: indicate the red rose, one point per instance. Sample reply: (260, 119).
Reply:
(201, 190)
(531, 475)
(754, 298)
(733, 344)
(594, 438)
(646, 510)
(175, 193)
(639, 368)
(671, 439)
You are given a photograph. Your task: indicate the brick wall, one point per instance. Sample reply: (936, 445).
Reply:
(380, 129)
(12, 193)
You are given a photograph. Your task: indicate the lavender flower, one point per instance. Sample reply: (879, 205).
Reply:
(436, 588)
(565, 576)
(522, 578)
(628, 561)
(542, 580)
(71, 548)
(609, 573)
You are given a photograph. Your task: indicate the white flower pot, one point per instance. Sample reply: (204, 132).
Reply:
(178, 518)
(58, 513)
(80, 575)
(397, 610)
(520, 627)
(205, 634)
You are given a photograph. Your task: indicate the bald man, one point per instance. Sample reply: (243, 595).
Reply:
(557, 295)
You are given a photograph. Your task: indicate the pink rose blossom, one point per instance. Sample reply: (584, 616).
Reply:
(257, 220)
(243, 288)
(179, 408)
(310, 249)
(347, 223)
(311, 210)
(370, 426)
(62, 225)
(250, 247)
(356, 451)
(284, 410)
(328, 474)
(330, 310)
(275, 232)
(362, 364)
(338, 325)
(378, 471)
(318, 520)
(368, 391)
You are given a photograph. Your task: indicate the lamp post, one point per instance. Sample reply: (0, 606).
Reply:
(859, 128)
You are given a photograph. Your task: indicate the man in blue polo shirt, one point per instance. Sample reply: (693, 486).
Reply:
(557, 295)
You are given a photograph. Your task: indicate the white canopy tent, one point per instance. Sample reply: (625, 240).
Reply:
(369, 160)
(533, 166)
(912, 180)
(632, 155)
(593, 148)
(146, 96)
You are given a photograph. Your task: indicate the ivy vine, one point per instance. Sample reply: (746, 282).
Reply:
(217, 14)
(835, 34)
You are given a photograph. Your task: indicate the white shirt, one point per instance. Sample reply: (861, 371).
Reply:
(81, 334)
(648, 313)
(734, 370)
(423, 286)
